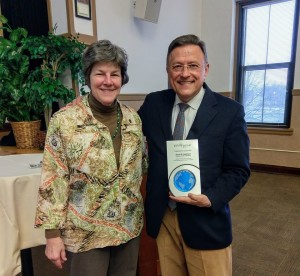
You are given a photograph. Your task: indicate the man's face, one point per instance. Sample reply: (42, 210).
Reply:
(187, 70)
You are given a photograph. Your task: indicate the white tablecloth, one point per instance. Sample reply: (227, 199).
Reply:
(18, 198)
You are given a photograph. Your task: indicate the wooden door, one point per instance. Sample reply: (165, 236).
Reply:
(148, 255)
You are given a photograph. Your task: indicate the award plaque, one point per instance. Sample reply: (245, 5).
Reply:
(183, 167)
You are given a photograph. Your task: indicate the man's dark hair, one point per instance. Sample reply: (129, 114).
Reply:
(189, 39)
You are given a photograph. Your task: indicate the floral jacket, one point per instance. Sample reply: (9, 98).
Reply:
(82, 191)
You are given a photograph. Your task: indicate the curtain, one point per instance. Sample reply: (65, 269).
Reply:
(30, 14)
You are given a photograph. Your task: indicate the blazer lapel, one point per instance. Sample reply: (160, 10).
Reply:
(205, 114)
(165, 113)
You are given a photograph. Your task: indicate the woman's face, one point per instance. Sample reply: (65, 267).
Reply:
(106, 82)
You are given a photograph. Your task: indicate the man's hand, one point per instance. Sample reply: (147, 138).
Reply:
(76, 101)
(55, 251)
(197, 200)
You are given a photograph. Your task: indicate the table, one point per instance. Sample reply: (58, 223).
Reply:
(10, 263)
(9, 150)
(18, 198)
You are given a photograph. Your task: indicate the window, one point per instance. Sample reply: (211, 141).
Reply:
(266, 59)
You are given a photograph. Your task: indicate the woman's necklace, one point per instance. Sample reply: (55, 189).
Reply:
(118, 123)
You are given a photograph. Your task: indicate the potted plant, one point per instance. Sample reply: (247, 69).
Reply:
(27, 92)
(16, 104)
(57, 55)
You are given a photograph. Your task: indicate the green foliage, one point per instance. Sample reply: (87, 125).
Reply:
(26, 93)
(14, 70)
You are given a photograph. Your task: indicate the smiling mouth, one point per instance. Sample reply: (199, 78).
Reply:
(107, 90)
(185, 82)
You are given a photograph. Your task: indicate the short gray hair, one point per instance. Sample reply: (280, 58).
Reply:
(189, 39)
(104, 51)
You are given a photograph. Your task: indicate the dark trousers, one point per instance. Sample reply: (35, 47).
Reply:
(108, 261)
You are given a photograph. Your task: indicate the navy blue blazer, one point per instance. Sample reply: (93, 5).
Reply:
(223, 144)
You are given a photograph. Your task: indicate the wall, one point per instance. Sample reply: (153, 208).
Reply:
(217, 32)
(279, 150)
(145, 42)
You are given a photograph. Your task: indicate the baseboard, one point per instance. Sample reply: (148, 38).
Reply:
(274, 169)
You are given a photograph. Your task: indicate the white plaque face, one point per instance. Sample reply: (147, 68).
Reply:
(183, 167)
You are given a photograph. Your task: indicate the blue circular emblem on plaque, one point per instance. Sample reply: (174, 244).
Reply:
(184, 180)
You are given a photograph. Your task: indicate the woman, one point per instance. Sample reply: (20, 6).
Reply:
(89, 199)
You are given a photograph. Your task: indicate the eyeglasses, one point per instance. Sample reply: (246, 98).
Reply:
(192, 67)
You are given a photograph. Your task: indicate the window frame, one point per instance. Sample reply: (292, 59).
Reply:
(239, 71)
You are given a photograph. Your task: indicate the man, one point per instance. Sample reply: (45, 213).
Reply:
(194, 238)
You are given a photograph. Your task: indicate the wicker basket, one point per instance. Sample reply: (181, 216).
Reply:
(26, 134)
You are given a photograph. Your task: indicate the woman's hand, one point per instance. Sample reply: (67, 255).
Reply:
(55, 251)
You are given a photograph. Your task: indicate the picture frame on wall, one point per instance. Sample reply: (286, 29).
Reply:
(63, 13)
(83, 9)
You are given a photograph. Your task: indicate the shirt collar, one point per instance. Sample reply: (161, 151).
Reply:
(194, 102)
